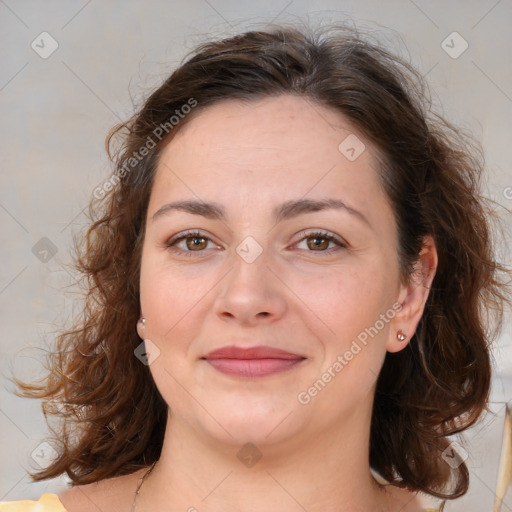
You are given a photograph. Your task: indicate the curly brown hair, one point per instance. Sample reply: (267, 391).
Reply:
(112, 417)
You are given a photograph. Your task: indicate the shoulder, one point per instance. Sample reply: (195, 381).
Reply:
(47, 503)
(113, 494)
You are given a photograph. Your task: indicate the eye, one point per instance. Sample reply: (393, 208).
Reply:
(320, 241)
(189, 242)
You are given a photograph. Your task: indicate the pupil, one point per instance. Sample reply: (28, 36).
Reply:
(197, 242)
(318, 243)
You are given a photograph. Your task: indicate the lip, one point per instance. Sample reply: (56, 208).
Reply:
(258, 361)
(258, 352)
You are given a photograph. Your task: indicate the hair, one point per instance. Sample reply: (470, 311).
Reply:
(111, 417)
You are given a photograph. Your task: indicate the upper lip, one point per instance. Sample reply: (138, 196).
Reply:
(258, 352)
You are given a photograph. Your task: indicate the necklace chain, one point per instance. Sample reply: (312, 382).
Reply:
(146, 474)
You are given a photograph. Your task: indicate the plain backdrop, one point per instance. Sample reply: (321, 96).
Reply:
(70, 70)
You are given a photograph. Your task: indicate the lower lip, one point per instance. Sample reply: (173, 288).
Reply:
(253, 367)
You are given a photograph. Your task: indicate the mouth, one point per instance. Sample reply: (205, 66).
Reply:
(252, 362)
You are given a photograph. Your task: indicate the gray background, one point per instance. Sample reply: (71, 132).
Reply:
(56, 112)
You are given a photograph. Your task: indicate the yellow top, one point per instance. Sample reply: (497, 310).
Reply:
(46, 503)
(51, 503)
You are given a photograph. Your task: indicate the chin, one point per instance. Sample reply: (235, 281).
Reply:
(246, 425)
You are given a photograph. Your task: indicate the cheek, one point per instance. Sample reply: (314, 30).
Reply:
(344, 300)
(170, 294)
(174, 303)
(348, 305)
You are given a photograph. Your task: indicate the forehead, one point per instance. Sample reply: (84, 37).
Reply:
(285, 126)
(275, 148)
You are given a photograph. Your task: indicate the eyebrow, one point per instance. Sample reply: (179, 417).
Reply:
(287, 210)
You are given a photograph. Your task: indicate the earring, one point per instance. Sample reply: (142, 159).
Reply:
(400, 335)
(142, 321)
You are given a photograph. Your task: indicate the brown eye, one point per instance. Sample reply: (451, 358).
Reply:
(318, 243)
(188, 243)
(322, 243)
(196, 243)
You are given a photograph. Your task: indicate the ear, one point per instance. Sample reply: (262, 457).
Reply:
(140, 329)
(413, 296)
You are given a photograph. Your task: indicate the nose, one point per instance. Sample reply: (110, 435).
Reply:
(250, 293)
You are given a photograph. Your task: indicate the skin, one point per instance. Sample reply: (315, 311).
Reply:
(251, 158)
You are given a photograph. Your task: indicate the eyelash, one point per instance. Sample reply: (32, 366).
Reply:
(171, 243)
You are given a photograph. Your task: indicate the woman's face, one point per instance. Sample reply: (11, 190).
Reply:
(248, 260)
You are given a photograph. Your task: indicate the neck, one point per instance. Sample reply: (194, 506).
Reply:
(326, 472)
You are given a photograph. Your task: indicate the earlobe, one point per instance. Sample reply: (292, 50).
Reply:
(141, 327)
(414, 295)
(400, 335)
(398, 341)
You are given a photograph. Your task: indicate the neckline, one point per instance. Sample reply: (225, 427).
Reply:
(423, 509)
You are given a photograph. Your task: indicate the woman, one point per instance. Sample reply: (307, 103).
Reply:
(303, 248)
